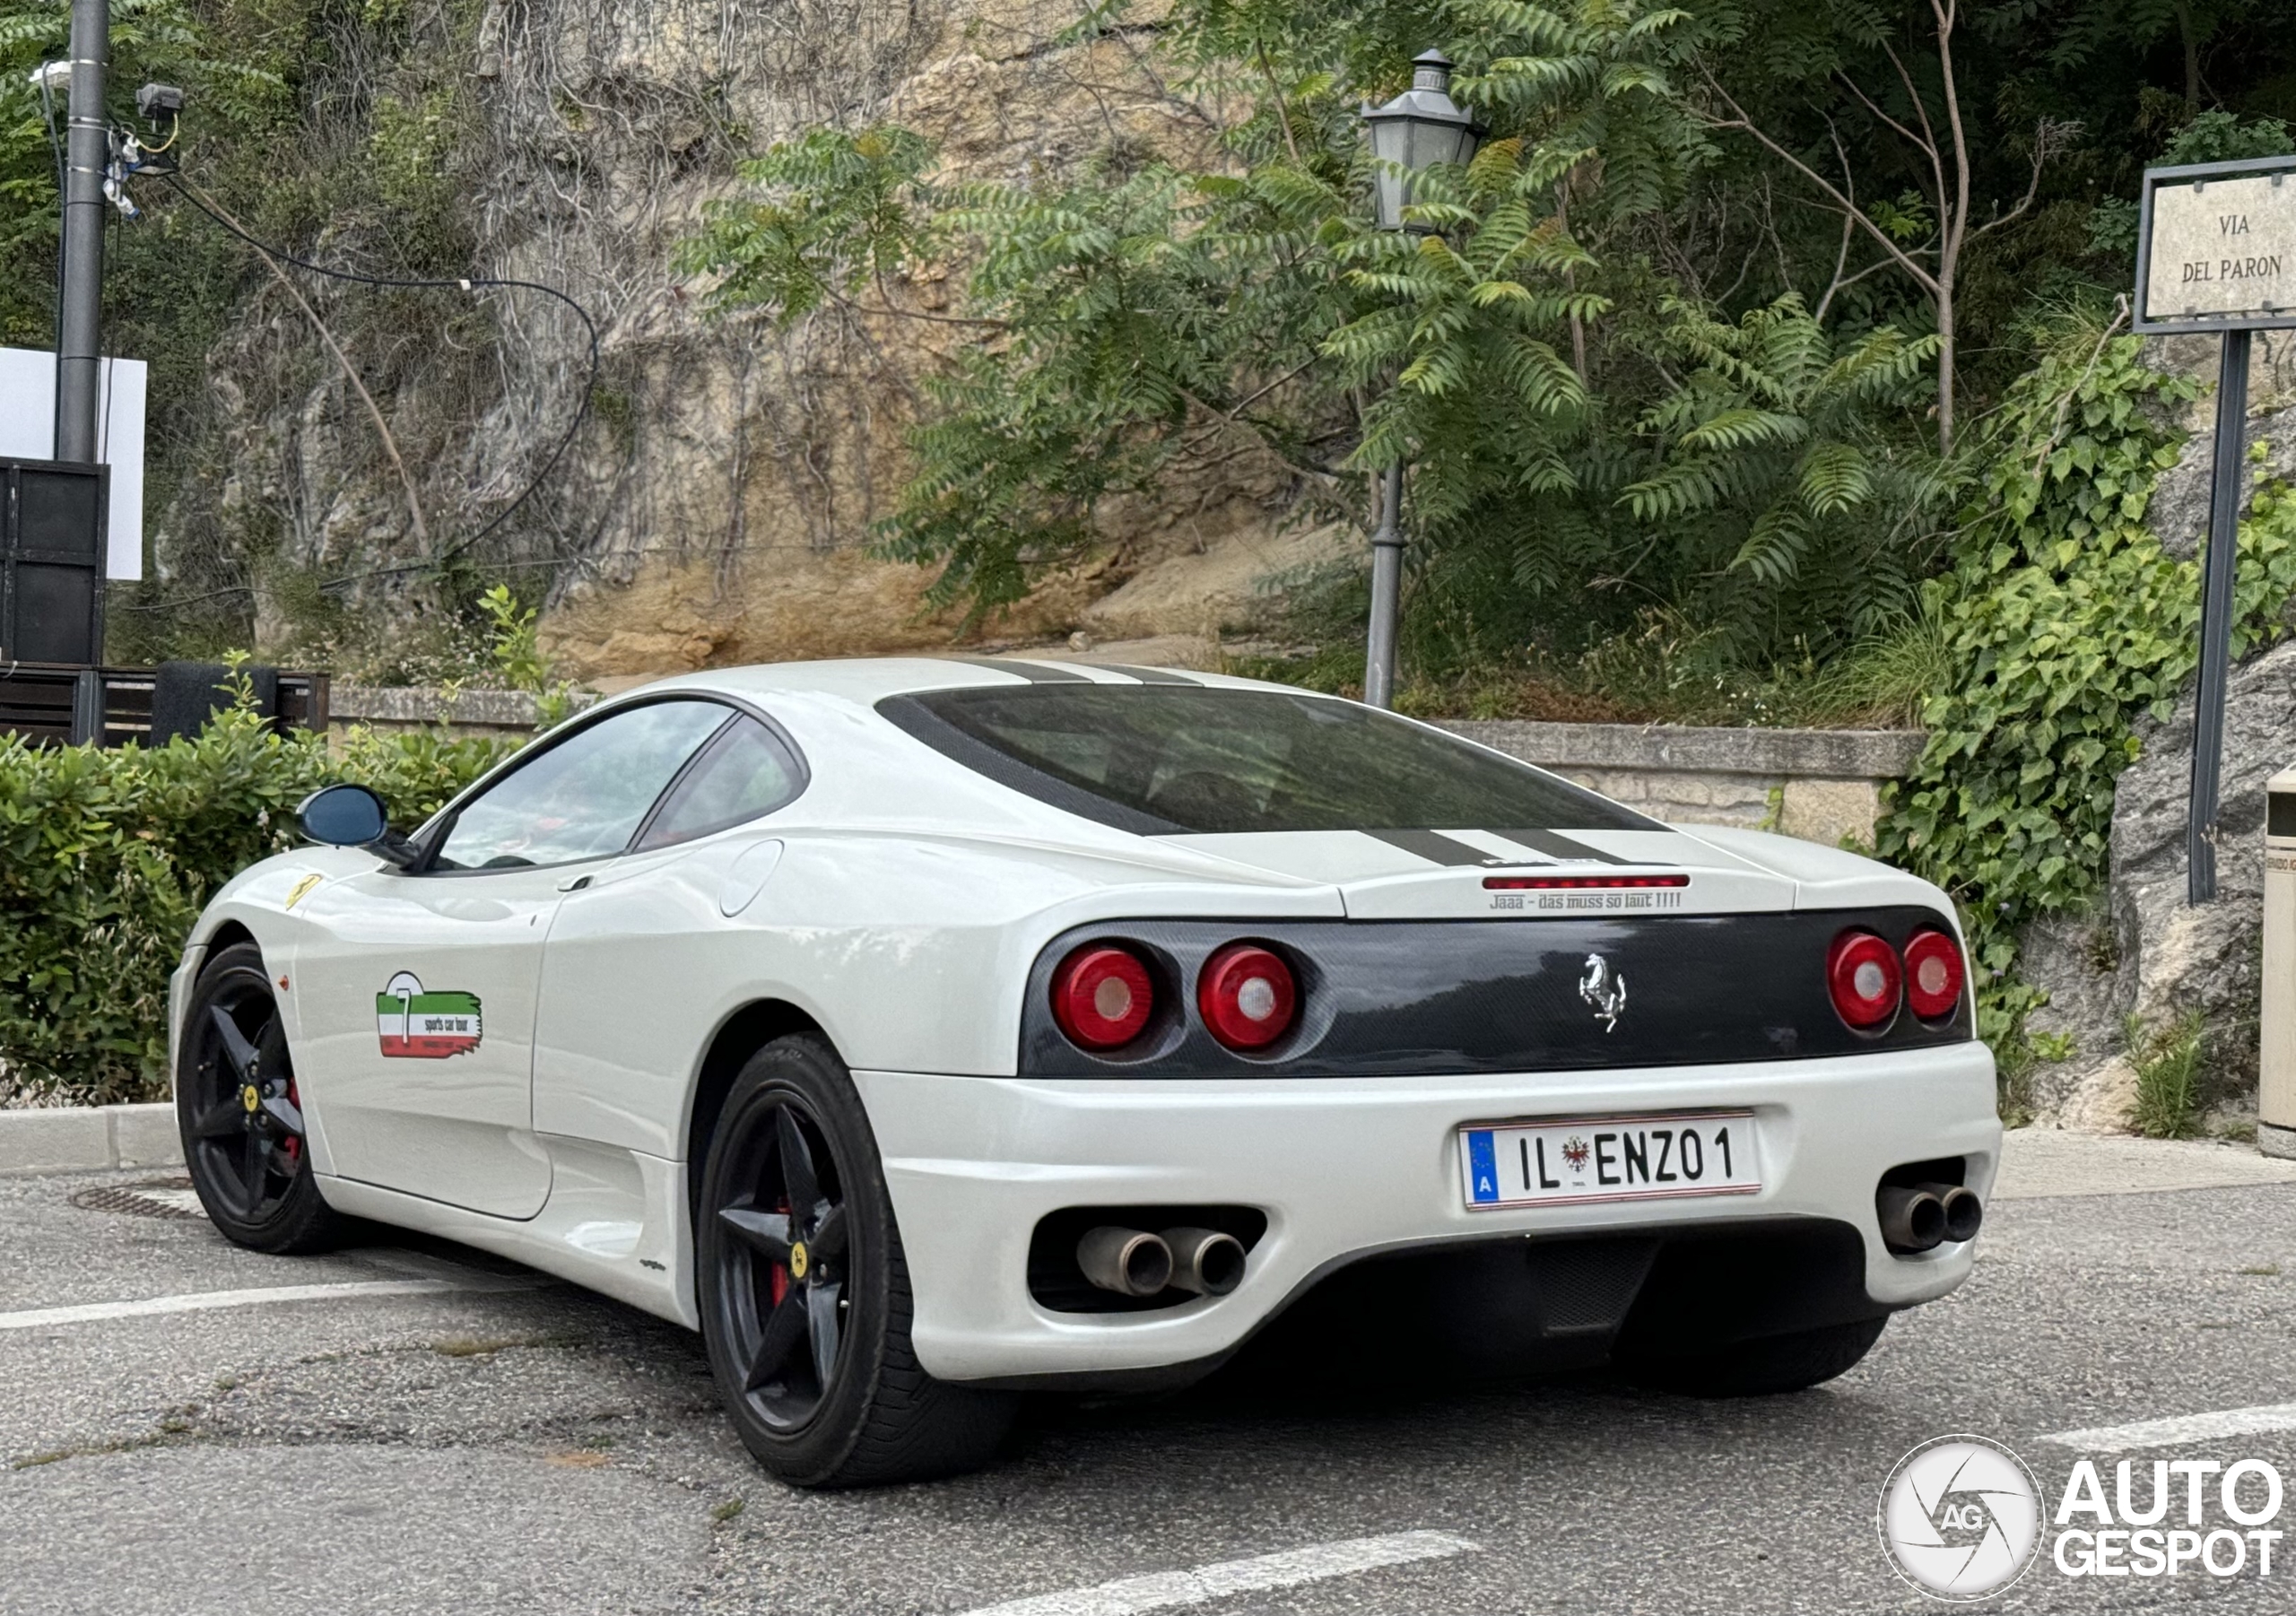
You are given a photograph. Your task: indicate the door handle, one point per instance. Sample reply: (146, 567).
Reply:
(574, 885)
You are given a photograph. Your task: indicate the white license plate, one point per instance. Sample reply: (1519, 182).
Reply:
(1583, 1159)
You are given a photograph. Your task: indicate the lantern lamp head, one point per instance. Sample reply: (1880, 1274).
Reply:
(1421, 127)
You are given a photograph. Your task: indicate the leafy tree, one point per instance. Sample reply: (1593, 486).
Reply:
(1774, 435)
(1555, 393)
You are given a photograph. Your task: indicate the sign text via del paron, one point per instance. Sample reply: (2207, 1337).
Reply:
(2225, 248)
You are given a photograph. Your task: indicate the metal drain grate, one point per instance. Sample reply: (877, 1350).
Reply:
(154, 1198)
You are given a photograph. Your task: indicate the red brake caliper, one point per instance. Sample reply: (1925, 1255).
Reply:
(294, 1143)
(780, 1277)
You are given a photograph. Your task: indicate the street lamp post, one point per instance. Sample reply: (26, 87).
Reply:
(1418, 128)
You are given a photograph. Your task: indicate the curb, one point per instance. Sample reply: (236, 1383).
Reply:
(88, 1139)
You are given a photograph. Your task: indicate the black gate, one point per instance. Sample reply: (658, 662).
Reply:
(52, 542)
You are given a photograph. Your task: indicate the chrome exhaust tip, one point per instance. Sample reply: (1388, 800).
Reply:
(1912, 1220)
(1130, 1262)
(1964, 1213)
(1206, 1261)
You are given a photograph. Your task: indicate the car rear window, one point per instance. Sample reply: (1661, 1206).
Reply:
(1163, 758)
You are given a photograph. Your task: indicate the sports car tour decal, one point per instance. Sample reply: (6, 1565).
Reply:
(418, 1025)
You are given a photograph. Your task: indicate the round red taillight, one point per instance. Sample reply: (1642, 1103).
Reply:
(1247, 995)
(1863, 975)
(1102, 996)
(1933, 974)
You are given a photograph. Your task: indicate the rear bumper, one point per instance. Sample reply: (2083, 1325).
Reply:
(1345, 1169)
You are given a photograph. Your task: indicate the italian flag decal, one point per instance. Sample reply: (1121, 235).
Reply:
(415, 1024)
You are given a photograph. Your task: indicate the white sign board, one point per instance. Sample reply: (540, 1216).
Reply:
(2217, 249)
(28, 432)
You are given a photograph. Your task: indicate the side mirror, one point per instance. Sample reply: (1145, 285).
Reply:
(344, 816)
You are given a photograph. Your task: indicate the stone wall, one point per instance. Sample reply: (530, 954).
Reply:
(464, 712)
(1821, 785)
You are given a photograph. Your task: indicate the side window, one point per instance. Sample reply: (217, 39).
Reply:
(583, 797)
(745, 772)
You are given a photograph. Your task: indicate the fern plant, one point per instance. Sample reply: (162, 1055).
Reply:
(1777, 432)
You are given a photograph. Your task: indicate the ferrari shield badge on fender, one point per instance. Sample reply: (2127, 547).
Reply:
(414, 1024)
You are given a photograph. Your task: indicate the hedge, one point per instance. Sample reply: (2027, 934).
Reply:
(106, 856)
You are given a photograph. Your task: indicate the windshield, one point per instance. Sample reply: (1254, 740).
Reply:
(1160, 758)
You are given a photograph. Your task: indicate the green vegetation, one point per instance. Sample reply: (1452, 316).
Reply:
(2065, 622)
(1595, 449)
(517, 654)
(106, 858)
(2168, 1076)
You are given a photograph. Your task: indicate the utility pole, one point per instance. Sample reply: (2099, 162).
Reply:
(79, 380)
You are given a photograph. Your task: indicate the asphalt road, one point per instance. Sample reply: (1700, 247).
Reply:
(517, 1445)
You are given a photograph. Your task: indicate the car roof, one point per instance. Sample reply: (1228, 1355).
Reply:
(867, 679)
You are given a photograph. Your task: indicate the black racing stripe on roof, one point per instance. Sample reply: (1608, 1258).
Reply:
(1035, 673)
(1555, 845)
(1152, 675)
(1437, 847)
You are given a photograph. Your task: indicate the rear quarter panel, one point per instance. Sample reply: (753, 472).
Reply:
(911, 952)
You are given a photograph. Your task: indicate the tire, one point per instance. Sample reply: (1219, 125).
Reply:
(805, 1308)
(248, 1159)
(1765, 1366)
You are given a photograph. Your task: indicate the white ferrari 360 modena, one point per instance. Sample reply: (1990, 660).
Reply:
(928, 1031)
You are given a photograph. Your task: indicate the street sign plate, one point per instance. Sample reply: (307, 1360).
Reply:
(2217, 248)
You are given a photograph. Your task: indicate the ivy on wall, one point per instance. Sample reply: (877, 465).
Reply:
(2066, 622)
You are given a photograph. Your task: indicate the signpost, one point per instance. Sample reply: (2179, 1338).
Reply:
(2216, 252)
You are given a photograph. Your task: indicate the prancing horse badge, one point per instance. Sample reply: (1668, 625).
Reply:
(1604, 990)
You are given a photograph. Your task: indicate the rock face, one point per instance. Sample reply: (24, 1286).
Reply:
(2147, 951)
(713, 506)
(2178, 514)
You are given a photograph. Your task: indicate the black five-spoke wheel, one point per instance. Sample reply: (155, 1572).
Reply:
(782, 1272)
(240, 1114)
(804, 1291)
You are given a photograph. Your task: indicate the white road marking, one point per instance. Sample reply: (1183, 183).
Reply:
(2181, 1428)
(1164, 1589)
(202, 1301)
